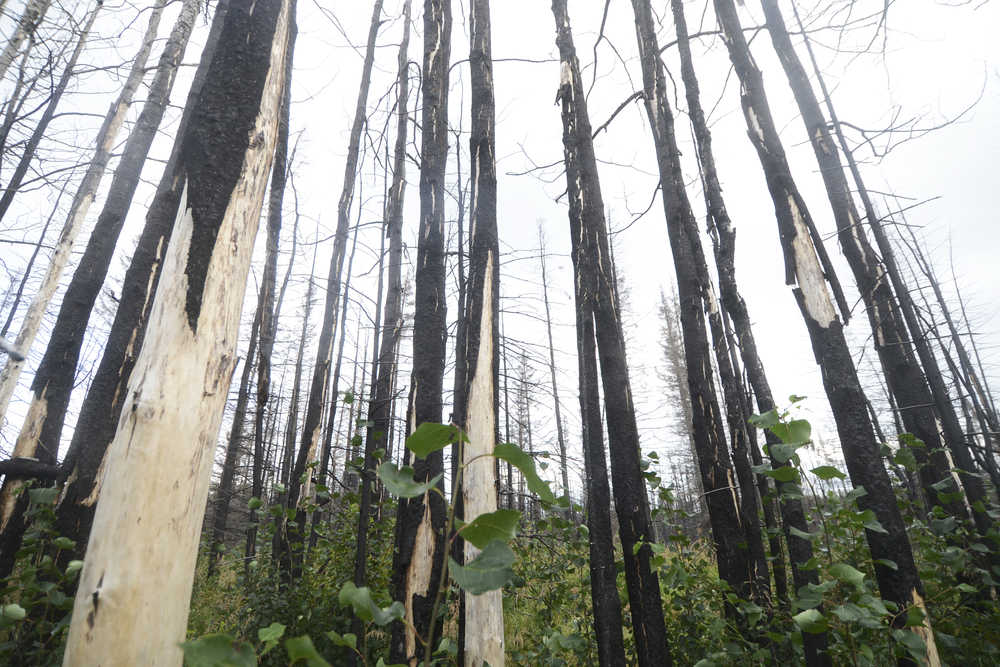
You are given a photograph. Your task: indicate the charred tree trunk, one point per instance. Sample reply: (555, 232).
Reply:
(312, 424)
(736, 565)
(477, 403)
(560, 438)
(903, 374)
(954, 438)
(143, 546)
(33, 320)
(600, 306)
(54, 380)
(724, 245)
(420, 538)
(804, 271)
(102, 406)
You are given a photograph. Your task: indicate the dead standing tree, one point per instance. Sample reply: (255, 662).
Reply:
(597, 295)
(805, 273)
(142, 551)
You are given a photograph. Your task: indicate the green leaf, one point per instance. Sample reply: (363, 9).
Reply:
(430, 437)
(914, 616)
(849, 612)
(63, 543)
(781, 452)
(14, 612)
(810, 621)
(218, 651)
(792, 530)
(885, 562)
(349, 640)
(795, 432)
(870, 522)
(270, 635)
(514, 455)
(500, 525)
(488, 571)
(784, 474)
(360, 599)
(255, 504)
(847, 574)
(301, 648)
(74, 566)
(905, 458)
(912, 641)
(399, 481)
(766, 420)
(827, 472)
(43, 496)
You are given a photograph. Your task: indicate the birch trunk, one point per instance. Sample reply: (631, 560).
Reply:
(132, 602)
(30, 19)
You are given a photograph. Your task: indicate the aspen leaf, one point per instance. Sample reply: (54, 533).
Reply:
(430, 437)
(500, 525)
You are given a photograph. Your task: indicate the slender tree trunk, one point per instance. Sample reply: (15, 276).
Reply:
(224, 492)
(143, 547)
(903, 374)
(560, 438)
(54, 380)
(269, 310)
(803, 270)
(736, 565)
(33, 319)
(95, 427)
(30, 19)
(477, 402)
(600, 305)
(724, 245)
(380, 424)
(312, 424)
(420, 541)
(954, 438)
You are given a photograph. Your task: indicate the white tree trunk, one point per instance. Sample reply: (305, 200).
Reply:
(132, 603)
(484, 641)
(106, 138)
(33, 14)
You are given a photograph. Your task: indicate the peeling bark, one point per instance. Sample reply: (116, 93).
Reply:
(132, 602)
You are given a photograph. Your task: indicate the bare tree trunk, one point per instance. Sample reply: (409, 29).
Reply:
(560, 438)
(477, 401)
(420, 540)
(724, 245)
(312, 424)
(224, 491)
(599, 304)
(30, 19)
(736, 566)
(903, 374)
(95, 427)
(33, 319)
(380, 424)
(143, 547)
(53, 383)
(803, 269)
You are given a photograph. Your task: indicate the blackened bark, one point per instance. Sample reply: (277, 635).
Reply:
(724, 246)
(560, 438)
(95, 427)
(429, 340)
(903, 374)
(735, 565)
(902, 584)
(595, 280)
(312, 423)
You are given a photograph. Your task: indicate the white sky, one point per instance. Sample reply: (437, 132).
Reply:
(938, 59)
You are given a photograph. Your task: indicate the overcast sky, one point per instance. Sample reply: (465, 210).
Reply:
(938, 60)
